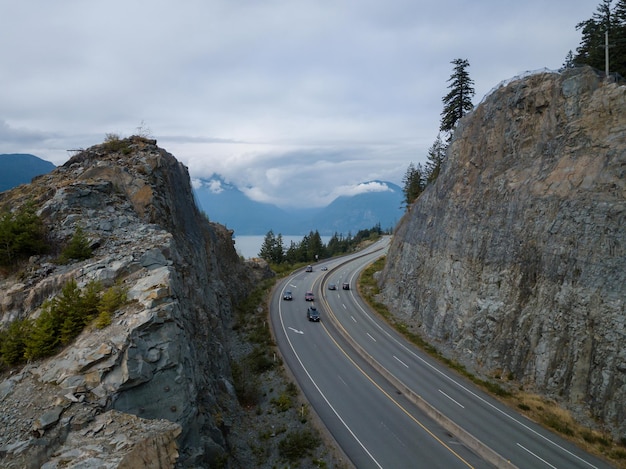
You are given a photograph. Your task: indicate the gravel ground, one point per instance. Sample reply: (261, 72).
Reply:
(281, 412)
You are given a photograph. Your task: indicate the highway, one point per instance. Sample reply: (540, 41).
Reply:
(386, 403)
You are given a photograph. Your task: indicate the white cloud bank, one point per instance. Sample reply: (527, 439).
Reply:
(290, 101)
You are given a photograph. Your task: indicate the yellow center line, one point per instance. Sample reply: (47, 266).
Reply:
(441, 442)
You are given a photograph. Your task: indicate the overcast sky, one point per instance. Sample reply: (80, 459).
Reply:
(293, 101)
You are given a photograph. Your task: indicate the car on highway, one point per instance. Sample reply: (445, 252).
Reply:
(324, 268)
(345, 286)
(309, 268)
(308, 296)
(312, 314)
(332, 286)
(288, 296)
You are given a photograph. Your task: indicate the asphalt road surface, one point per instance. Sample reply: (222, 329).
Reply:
(386, 403)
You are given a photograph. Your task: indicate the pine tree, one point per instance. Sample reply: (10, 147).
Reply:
(458, 101)
(272, 249)
(43, 338)
(569, 61)
(78, 248)
(22, 234)
(592, 50)
(336, 245)
(291, 254)
(111, 299)
(316, 248)
(68, 306)
(435, 157)
(413, 183)
(12, 345)
(618, 37)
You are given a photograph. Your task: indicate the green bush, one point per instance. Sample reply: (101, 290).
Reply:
(111, 299)
(22, 234)
(258, 361)
(43, 338)
(246, 384)
(113, 143)
(298, 444)
(283, 402)
(77, 249)
(12, 344)
(61, 320)
(291, 389)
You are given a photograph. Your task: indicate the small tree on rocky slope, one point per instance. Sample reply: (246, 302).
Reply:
(22, 234)
(413, 183)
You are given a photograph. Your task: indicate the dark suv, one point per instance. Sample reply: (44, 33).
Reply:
(345, 286)
(312, 314)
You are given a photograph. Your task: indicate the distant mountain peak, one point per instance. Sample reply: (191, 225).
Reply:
(21, 168)
(360, 206)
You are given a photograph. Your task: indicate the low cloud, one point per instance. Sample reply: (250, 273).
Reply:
(372, 186)
(292, 102)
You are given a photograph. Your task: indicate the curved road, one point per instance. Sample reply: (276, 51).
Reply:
(386, 411)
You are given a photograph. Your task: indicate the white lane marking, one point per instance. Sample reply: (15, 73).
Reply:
(353, 318)
(388, 430)
(540, 459)
(368, 334)
(456, 402)
(400, 360)
(472, 393)
(296, 330)
(344, 306)
(293, 350)
(342, 380)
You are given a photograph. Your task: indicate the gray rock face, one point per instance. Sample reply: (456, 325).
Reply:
(514, 261)
(164, 357)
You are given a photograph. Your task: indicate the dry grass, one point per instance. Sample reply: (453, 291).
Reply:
(549, 414)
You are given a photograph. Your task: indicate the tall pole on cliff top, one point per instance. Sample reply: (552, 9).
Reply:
(606, 53)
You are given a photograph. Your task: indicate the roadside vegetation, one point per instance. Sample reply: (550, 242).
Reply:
(312, 249)
(541, 410)
(263, 388)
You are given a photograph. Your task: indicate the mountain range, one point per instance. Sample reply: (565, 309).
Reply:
(21, 168)
(380, 203)
(226, 204)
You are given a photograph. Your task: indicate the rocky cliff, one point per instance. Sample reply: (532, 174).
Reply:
(155, 386)
(514, 261)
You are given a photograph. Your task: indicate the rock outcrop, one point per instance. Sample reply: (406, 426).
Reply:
(514, 261)
(156, 385)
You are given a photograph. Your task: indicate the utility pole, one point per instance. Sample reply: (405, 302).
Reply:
(607, 46)
(606, 53)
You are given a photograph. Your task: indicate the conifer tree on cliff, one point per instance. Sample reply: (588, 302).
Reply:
(413, 183)
(435, 157)
(458, 101)
(592, 50)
